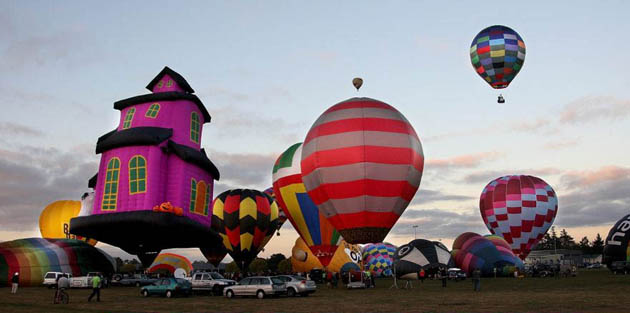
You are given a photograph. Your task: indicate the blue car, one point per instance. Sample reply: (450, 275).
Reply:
(168, 287)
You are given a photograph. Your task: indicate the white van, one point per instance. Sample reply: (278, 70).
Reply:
(50, 279)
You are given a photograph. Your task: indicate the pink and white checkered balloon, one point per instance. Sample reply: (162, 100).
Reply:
(519, 208)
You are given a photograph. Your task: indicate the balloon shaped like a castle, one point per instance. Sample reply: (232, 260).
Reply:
(154, 186)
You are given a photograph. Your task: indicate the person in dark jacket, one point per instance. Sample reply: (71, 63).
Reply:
(15, 280)
(443, 276)
(476, 278)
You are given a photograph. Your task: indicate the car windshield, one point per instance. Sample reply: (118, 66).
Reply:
(217, 276)
(50, 275)
(299, 277)
(277, 281)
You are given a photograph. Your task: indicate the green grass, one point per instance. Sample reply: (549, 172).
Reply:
(591, 291)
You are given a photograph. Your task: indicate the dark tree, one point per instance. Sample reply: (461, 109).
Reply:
(565, 241)
(274, 260)
(598, 245)
(585, 245)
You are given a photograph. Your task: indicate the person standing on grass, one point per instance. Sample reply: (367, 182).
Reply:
(96, 289)
(477, 279)
(422, 275)
(444, 276)
(15, 280)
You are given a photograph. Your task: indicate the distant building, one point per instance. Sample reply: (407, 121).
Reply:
(562, 256)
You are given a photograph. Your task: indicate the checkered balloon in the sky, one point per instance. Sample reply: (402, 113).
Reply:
(520, 209)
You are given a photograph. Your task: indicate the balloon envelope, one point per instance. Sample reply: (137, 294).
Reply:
(170, 262)
(497, 54)
(246, 219)
(303, 259)
(520, 209)
(472, 251)
(421, 254)
(54, 221)
(320, 236)
(616, 246)
(378, 258)
(361, 165)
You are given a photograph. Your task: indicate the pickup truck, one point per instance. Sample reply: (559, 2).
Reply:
(86, 281)
(210, 282)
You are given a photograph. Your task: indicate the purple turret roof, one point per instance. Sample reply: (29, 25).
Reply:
(179, 80)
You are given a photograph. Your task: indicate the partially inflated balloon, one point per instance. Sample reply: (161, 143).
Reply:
(54, 221)
(378, 258)
(472, 251)
(617, 244)
(362, 163)
(520, 209)
(320, 236)
(170, 262)
(246, 220)
(214, 256)
(497, 53)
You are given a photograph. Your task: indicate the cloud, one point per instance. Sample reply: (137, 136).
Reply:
(487, 175)
(561, 144)
(438, 223)
(244, 170)
(32, 177)
(589, 109)
(427, 196)
(585, 179)
(463, 161)
(14, 129)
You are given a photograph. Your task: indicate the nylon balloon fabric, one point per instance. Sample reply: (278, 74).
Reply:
(378, 258)
(320, 236)
(362, 163)
(520, 209)
(421, 254)
(246, 219)
(497, 53)
(617, 247)
(472, 251)
(170, 262)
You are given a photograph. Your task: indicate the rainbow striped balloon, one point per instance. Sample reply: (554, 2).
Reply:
(362, 163)
(170, 262)
(33, 257)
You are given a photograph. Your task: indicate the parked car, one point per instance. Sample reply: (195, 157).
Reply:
(620, 267)
(259, 286)
(297, 285)
(50, 279)
(136, 280)
(210, 282)
(86, 281)
(456, 274)
(167, 287)
(594, 266)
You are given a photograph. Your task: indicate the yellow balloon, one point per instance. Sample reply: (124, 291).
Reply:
(54, 221)
(303, 260)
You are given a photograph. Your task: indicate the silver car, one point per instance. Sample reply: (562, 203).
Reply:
(259, 286)
(298, 285)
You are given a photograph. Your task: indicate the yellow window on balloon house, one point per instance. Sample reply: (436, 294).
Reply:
(110, 190)
(194, 127)
(153, 110)
(129, 118)
(137, 174)
(199, 197)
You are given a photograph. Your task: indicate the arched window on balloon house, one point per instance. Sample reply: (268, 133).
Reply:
(199, 197)
(137, 175)
(129, 118)
(194, 127)
(110, 190)
(153, 110)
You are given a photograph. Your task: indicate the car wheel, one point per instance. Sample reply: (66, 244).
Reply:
(260, 294)
(291, 292)
(138, 284)
(145, 293)
(229, 294)
(169, 294)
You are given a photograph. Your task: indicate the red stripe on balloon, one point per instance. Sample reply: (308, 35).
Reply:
(234, 235)
(363, 187)
(359, 104)
(360, 124)
(363, 219)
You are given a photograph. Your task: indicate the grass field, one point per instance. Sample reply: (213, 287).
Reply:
(591, 291)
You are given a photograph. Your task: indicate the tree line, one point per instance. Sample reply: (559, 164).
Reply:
(552, 241)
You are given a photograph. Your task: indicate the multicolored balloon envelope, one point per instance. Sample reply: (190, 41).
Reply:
(520, 209)
(281, 216)
(214, 256)
(246, 219)
(378, 258)
(421, 254)
(362, 164)
(54, 221)
(472, 251)
(320, 236)
(497, 53)
(346, 256)
(33, 257)
(617, 246)
(170, 262)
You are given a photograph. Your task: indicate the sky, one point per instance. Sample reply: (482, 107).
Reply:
(266, 70)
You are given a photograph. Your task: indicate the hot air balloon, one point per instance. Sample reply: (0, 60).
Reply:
(346, 255)
(320, 236)
(54, 221)
(33, 257)
(357, 82)
(421, 254)
(472, 251)
(497, 53)
(302, 258)
(520, 209)
(617, 246)
(214, 256)
(361, 164)
(378, 258)
(281, 216)
(170, 262)
(246, 219)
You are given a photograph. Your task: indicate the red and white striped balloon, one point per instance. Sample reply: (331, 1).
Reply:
(362, 164)
(520, 209)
